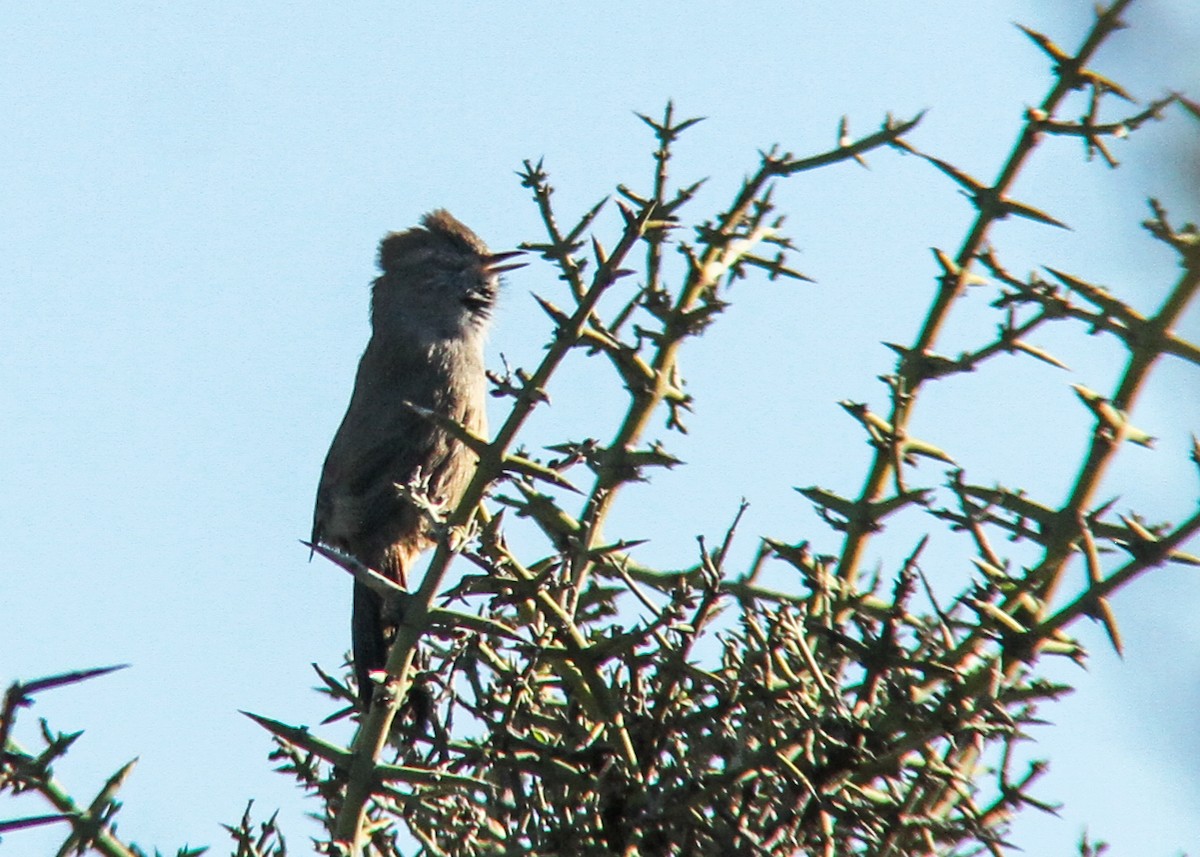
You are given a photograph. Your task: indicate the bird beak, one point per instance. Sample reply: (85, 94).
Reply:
(491, 264)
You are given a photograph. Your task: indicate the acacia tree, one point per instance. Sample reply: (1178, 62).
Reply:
(559, 699)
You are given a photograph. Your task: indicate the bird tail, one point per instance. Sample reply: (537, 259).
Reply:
(369, 640)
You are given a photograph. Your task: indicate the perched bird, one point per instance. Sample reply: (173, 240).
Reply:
(430, 310)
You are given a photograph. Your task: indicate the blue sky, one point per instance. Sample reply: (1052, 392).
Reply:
(192, 195)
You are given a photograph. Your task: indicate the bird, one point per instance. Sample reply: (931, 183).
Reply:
(430, 311)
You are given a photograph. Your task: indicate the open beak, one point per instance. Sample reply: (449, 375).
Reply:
(492, 264)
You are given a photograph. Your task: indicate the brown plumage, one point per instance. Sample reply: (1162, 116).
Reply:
(429, 314)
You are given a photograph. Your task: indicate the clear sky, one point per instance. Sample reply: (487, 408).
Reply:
(190, 199)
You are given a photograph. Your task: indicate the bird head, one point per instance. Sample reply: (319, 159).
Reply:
(439, 280)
